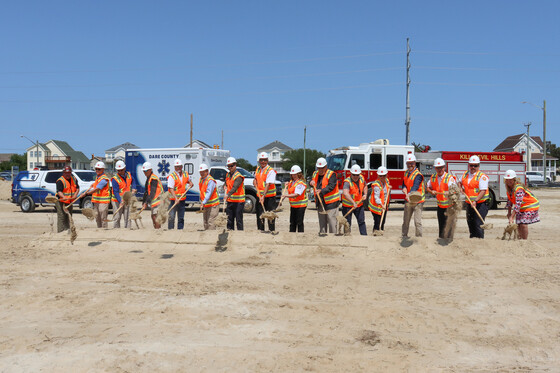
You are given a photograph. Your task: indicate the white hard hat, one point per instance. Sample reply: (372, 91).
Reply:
(178, 162)
(439, 162)
(146, 166)
(474, 159)
(295, 170)
(203, 167)
(120, 165)
(263, 155)
(382, 170)
(410, 158)
(355, 170)
(321, 162)
(231, 160)
(510, 174)
(100, 165)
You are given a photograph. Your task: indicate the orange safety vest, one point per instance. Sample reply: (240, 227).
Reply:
(530, 202)
(442, 199)
(69, 188)
(356, 191)
(159, 189)
(239, 195)
(124, 185)
(409, 182)
(202, 186)
(473, 188)
(334, 195)
(103, 195)
(301, 200)
(260, 176)
(372, 205)
(180, 184)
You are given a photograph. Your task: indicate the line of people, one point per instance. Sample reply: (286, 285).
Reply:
(522, 204)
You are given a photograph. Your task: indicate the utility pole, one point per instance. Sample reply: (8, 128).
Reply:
(190, 144)
(528, 151)
(222, 140)
(304, 135)
(407, 122)
(544, 139)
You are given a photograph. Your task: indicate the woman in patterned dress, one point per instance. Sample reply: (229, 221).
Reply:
(522, 204)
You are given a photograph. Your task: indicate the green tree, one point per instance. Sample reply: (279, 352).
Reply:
(243, 163)
(15, 160)
(295, 156)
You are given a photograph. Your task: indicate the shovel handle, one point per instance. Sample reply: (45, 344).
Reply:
(349, 211)
(179, 199)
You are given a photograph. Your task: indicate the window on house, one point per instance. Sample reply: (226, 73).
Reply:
(40, 153)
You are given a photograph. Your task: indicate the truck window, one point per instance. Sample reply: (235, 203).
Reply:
(358, 159)
(52, 177)
(218, 174)
(189, 167)
(87, 176)
(29, 177)
(374, 161)
(395, 161)
(336, 162)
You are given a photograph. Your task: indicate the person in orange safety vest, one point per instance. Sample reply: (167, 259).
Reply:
(177, 184)
(522, 204)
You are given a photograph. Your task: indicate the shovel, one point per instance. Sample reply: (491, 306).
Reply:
(483, 225)
(342, 222)
(179, 199)
(269, 215)
(222, 218)
(381, 232)
(279, 208)
(320, 201)
(115, 213)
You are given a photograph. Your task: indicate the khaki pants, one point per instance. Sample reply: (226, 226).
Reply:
(102, 210)
(209, 215)
(328, 221)
(409, 210)
(124, 213)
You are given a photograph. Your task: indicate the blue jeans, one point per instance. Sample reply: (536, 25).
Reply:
(178, 210)
(359, 214)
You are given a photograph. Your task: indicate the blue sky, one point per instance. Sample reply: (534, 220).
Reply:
(97, 74)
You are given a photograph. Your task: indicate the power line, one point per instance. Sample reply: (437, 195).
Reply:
(207, 81)
(203, 96)
(204, 66)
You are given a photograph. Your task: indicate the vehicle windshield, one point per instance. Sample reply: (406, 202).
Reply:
(244, 172)
(336, 162)
(86, 175)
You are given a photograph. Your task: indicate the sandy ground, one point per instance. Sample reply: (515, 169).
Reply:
(146, 300)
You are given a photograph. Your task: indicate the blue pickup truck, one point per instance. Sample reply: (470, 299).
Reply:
(30, 188)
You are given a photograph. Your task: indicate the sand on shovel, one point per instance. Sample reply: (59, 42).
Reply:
(343, 226)
(88, 213)
(221, 220)
(452, 211)
(51, 199)
(73, 230)
(162, 212)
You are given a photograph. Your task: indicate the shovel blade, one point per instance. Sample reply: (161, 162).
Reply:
(487, 226)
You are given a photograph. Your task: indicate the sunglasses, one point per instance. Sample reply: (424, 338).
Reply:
(230, 166)
(473, 165)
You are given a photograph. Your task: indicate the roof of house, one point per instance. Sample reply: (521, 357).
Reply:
(5, 157)
(126, 145)
(200, 142)
(511, 141)
(275, 144)
(75, 155)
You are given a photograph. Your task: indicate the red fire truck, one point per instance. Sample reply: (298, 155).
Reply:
(369, 156)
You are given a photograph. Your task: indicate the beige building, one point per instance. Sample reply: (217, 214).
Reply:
(519, 143)
(55, 154)
(276, 152)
